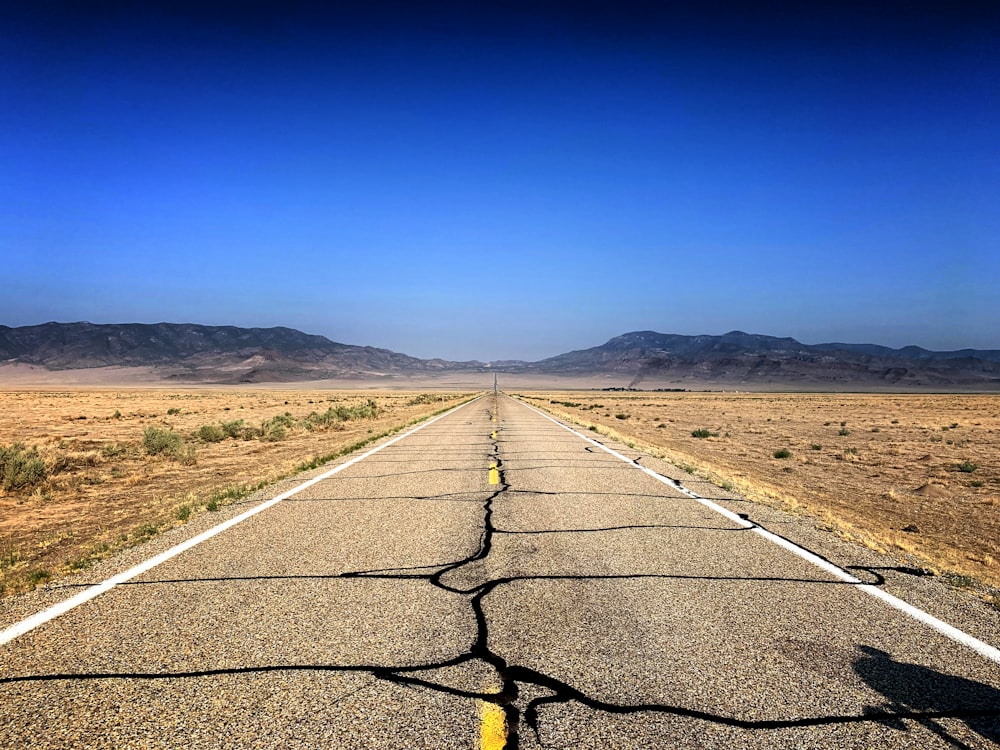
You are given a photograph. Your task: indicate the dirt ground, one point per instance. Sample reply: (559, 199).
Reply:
(104, 490)
(916, 473)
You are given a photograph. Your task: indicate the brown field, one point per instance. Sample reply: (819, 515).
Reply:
(918, 474)
(103, 490)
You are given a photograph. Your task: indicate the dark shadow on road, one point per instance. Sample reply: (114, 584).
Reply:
(926, 695)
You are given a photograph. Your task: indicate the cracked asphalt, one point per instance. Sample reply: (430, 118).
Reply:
(595, 606)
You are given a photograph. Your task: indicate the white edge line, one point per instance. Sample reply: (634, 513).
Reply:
(950, 631)
(40, 618)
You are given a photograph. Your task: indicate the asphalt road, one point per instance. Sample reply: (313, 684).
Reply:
(577, 602)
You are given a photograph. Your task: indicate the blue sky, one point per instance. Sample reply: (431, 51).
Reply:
(508, 180)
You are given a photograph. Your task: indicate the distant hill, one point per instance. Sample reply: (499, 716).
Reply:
(227, 354)
(221, 354)
(738, 358)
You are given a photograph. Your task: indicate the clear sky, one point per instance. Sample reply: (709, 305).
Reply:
(505, 180)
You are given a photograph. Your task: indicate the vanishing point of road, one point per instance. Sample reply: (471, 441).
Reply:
(493, 579)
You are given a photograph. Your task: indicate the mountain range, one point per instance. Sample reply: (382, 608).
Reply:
(227, 354)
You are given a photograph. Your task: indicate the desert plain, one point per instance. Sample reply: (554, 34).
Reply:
(911, 475)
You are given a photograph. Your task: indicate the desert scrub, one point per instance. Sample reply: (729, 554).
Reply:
(424, 398)
(114, 450)
(161, 442)
(782, 453)
(38, 577)
(703, 433)
(367, 410)
(211, 433)
(336, 414)
(233, 429)
(326, 419)
(285, 420)
(157, 440)
(20, 467)
(273, 434)
(967, 467)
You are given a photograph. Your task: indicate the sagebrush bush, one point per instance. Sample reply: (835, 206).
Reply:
(283, 420)
(423, 398)
(274, 434)
(211, 433)
(233, 429)
(160, 442)
(20, 467)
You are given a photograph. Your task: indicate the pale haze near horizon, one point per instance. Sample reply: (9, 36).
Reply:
(505, 183)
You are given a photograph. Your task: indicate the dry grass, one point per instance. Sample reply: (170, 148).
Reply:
(890, 471)
(105, 488)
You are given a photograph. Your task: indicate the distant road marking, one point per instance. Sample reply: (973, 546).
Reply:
(492, 727)
(96, 590)
(950, 631)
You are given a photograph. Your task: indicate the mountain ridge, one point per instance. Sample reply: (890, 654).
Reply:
(742, 358)
(203, 353)
(231, 354)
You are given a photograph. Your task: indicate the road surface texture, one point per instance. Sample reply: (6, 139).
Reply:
(495, 580)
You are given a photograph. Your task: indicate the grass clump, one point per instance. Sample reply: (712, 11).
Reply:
(703, 433)
(158, 441)
(967, 467)
(145, 532)
(38, 577)
(114, 450)
(20, 467)
(9, 558)
(782, 453)
(211, 433)
(424, 398)
(337, 414)
(227, 495)
(161, 442)
(273, 434)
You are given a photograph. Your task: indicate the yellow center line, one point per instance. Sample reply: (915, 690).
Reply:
(494, 474)
(493, 727)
